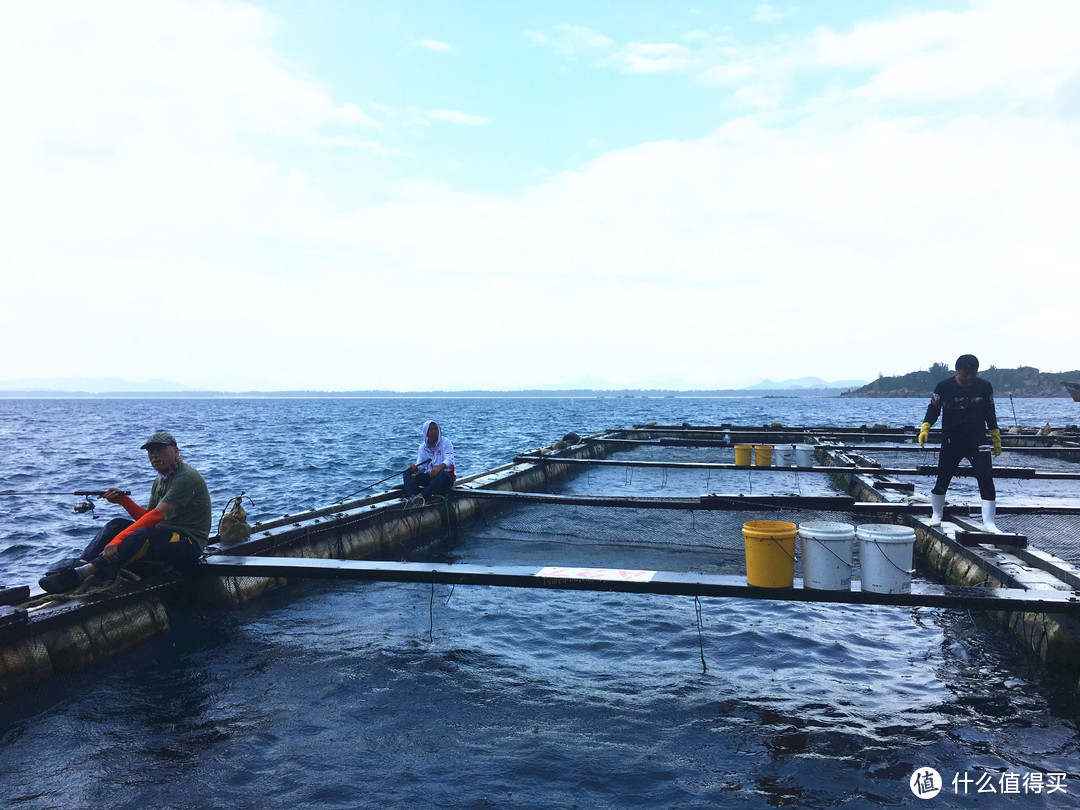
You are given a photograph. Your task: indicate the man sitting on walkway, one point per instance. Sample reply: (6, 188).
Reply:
(173, 529)
(433, 472)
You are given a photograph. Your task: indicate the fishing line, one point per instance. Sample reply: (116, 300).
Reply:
(701, 643)
(431, 614)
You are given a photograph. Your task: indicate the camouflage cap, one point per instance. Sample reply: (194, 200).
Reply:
(161, 437)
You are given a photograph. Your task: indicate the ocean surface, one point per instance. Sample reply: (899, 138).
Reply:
(336, 695)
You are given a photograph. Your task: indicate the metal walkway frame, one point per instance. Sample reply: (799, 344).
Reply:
(569, 578)
(920, 470)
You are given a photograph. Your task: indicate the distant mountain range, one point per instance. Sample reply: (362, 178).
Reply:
(85, 386)
(805, 382)
(88, 385)
(1024, 381)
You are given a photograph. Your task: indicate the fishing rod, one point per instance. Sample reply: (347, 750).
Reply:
(88, 493)
(80, 507)
(369, 486)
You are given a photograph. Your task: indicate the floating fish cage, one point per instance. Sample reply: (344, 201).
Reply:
(829, 514)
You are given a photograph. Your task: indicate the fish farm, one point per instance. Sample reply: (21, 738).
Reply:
(769, 513)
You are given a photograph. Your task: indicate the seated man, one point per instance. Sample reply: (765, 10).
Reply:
(434, 467)
(173, 529)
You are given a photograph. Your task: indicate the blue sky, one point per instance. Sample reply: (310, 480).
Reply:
(501, 195)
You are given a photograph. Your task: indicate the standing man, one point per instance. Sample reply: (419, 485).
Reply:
(434, 467)
(173, 529)
(966, 403)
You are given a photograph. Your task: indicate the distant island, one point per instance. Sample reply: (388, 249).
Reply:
(111, 387)
(1024, 381)
(622, 393)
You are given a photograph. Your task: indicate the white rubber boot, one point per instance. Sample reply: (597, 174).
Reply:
(989, 510)
(937, 503)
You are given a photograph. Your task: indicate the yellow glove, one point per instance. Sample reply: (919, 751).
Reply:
(924, 434)
(995, 437)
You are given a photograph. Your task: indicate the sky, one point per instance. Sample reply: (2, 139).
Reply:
(420, 195)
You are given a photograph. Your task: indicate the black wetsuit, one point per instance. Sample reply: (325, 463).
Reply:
(967, 413)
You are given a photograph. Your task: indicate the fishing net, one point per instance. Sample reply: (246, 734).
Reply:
(620, 475)
(693, 538)
(682, 539)
(1055, 534)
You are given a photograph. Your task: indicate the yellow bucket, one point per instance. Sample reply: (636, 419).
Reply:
(742, 455)
(770, 553)
(763, 455)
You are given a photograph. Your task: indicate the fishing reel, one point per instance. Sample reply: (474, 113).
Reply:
(87, 505)
(84, 506)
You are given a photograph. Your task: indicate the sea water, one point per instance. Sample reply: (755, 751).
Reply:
(377, 694)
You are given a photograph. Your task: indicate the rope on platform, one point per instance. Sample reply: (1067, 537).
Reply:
(88, 587)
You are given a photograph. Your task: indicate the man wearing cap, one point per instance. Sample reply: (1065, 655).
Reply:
(173, 529)
(966, 405)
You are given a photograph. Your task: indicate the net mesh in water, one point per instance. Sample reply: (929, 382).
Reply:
(693, 540)
(1055, 534)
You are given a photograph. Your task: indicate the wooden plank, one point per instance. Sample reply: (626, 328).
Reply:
(14, 594)
(991, 538)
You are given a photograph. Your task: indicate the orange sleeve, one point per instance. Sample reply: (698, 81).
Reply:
(147, 521)
(132, 508)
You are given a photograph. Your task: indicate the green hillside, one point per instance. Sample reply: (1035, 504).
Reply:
(1018, 382)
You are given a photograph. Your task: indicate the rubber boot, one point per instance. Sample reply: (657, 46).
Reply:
(937, 503)
(989, 510)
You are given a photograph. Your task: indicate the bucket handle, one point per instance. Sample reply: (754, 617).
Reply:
(838, 557)
(781, 547)
(887, 557)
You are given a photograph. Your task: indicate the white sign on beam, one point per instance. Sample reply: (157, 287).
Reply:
(614, 574)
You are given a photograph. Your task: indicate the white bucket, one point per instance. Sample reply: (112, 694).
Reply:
(885, 556)
(826, 555)
(804, 455)
(782, 455)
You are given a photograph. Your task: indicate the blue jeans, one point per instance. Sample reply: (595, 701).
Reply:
(420, 483)
(156, 544)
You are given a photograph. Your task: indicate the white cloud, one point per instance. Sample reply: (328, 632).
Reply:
(849, 229)
(436, 46)
(571, 39)
(658, 57)
(456, 117)
(996, 52)
(768, 14)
